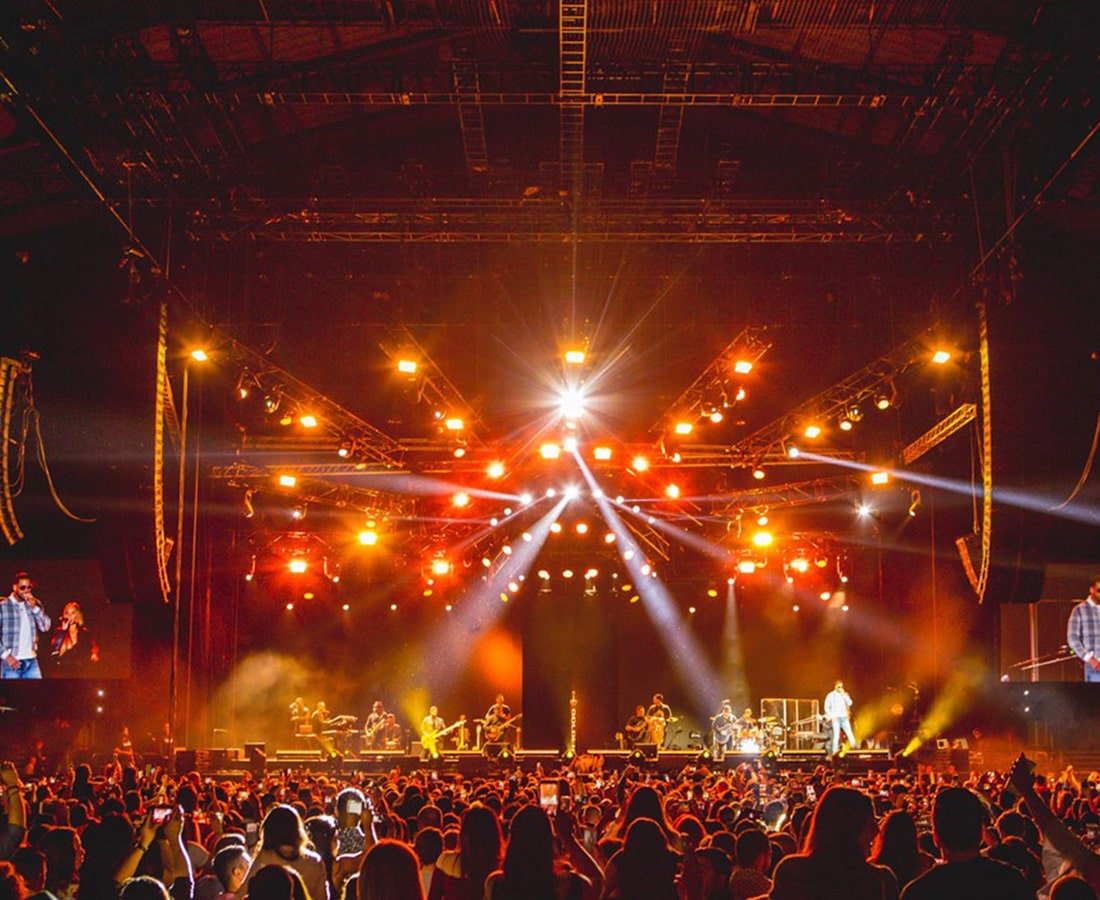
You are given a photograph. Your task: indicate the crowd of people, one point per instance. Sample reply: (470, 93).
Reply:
(572, 834)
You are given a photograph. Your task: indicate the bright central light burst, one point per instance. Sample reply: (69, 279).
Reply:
(572, 404)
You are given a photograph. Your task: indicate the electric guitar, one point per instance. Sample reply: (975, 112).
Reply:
(429, 740)
(495, 731)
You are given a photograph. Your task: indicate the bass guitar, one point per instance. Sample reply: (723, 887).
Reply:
(495, 731)
(429, 740)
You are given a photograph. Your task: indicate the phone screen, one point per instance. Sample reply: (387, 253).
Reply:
(355, 807)
(548, 796)
(161, 814)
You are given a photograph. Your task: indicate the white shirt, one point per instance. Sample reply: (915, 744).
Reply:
(24, 644)
(836, 704)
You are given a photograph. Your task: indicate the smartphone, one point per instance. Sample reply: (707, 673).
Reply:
(355, 807)
(689, 793)
(161, 814)
(251, 833)
(548, 796)
(1090, 832)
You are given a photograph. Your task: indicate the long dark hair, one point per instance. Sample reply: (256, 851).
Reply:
(479, 844)
(841, 818)
(529, 858)
(896, 846)
(282, 827)
(389, 871)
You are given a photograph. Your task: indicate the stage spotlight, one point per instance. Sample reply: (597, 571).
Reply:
(544, 574)
(297, 566)
(550, 451)
(637, 757)
(683, 428)
(572, 405)
(639, 464)
(572, 492)
(716, 417)
(799, 564)
(199, 355)
(741, 394)
(495, 470)
(880, 478)
(526, 499)
(308, 421)
(461, 499)
(609, 538)
(406, 366)
(826, 595)
(742, 366)
(368, 538)
(864, 510)
(513, 586)
(759, 474)
(602, 453)
(440, 567)
(506, 549)
(271, 403)
(812, 431)
(673, 492)
(821, 561)
(286, 419)
(845, 424)
(762, 519)
(298, 512)
(569, 445)
(705, 756)
(527, 537)
(344, 449)
(568, 757)
(793, 452)
(582, 528)
(762, 539)
(883, 401)
(574, 357)
(746, 567)
(454, 423)
(941, 356)
(290, 607)
(555, 527)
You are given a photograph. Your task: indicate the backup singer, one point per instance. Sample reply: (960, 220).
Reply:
(659, 715)
(838, 704)
(22, 619)
(1083, 632)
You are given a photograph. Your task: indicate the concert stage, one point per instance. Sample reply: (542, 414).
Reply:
(232, 761)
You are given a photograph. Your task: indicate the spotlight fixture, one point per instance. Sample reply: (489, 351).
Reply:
(883, 401)
(569, 445)
(572, 405)
(746, 567)
(461, 499)
(941, 356)
(759, 474)
(441, 567)
(762, 539)
(199, 355)
(344, 449)
(742, 366)
(812, 431)
(574, 357)
(793, 452)
(495, 470)
(453, 423)
(287, 481)
(683, 428)
(716, 416)
(550, 451)
(308, 421)
(297, 566)
(368, 538)
(855, 412)
(602, 453)
(639, 464)
(582, 528)
(406, 366)
(880, 478)
(673, 492)
(845, 424)
(271, 403)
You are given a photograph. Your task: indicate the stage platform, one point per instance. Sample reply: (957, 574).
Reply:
(230, 761)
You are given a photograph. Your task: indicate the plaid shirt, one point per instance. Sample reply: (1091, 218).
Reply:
(1083, 631)
(11, 612)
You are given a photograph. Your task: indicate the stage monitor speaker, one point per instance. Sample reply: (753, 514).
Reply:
(649, 751)
(256, 753)
(416, 749)
(185, 760)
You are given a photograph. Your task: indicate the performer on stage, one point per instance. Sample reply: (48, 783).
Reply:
(1083, 632)
(724, 729)
(393, 735)
(72, 642)
(22, 618)
(499, 723)
(636, 727)
(299, 717)
(433, 730)
(659, 715)
(374, 739)
(838, 704)
(322, 725)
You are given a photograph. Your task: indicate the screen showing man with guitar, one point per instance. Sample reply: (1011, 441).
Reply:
(499, 725)
(433, 729)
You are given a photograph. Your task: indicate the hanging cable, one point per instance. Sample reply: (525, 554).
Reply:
(1086, 471)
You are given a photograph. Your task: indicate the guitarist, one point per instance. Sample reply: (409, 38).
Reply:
(373, 736)
(433, 729)
(498, 720)
(724, 726)
(659, 715)
(637, 727)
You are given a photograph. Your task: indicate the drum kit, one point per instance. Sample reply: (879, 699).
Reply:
(758, 735)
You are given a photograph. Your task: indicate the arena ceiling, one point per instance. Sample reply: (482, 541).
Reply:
(324, 188)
